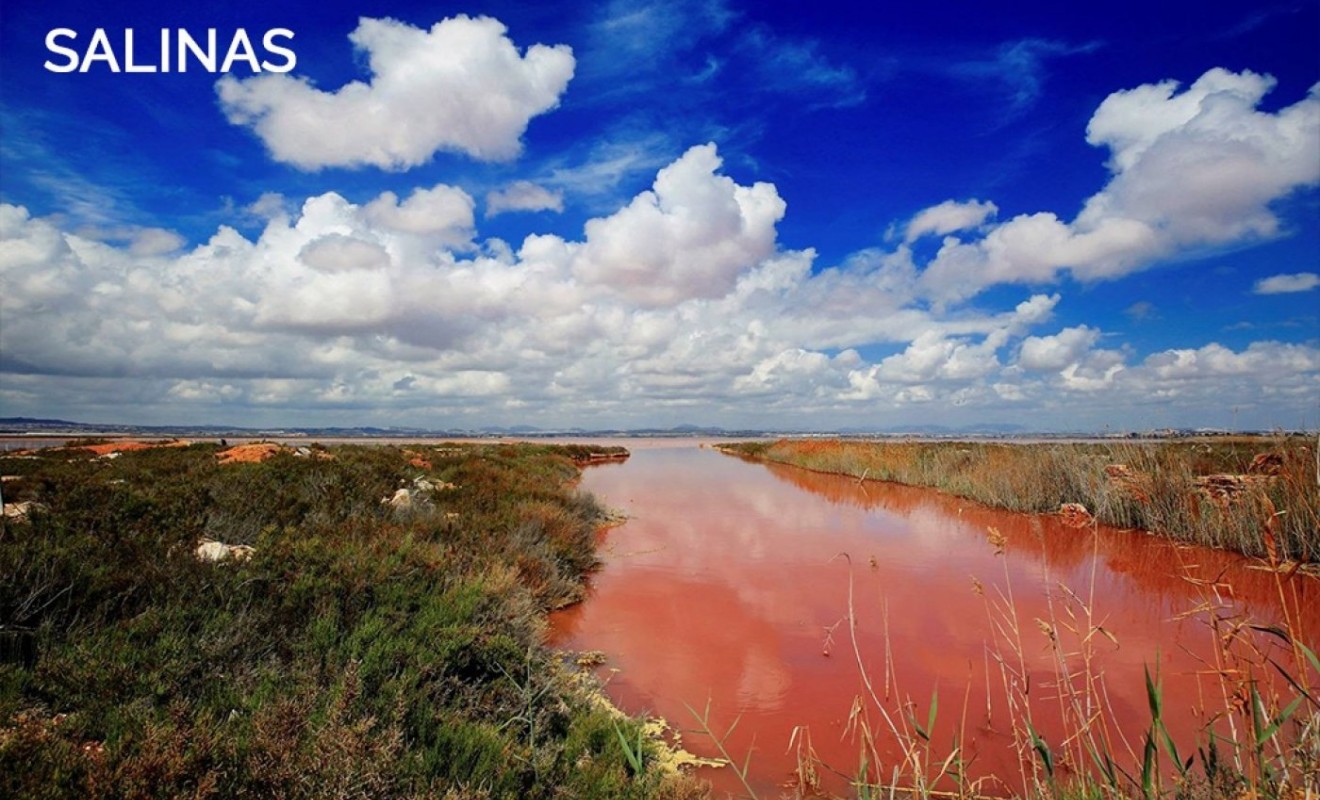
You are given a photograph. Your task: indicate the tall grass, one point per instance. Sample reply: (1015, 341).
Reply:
(1258, 722)
(1168, 487)
(364, 650)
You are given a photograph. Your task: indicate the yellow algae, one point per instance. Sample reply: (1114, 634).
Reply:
(668, 741)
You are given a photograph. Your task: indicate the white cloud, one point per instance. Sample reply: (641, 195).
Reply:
(948, 217)
(1201, 167)
(335, 252)
(267, 207)
(1057, 351)
(1194, 169)
(1260, 359)
(795, 372)
(678, 306)
(155, 242)
(462, 87)
(1287, 283)
(1080, 377)
(1132, 121)
(523, 196)
(606, 164)
(444, 212)
(690, 236)
(797, 65)
(931, 356)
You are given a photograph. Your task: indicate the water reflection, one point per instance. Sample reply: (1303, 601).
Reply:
(728, 583)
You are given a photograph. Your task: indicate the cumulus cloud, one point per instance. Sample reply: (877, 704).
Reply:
(335, 252)
(1057, 351)
(1287, 283)
(461, 86)
(523, 196)
(155, 242)
(266, 207)
(680, 304)
(443, 212)
(948, 217)
(1202, 166)
(1260, 359)
(689, 237)
(1191, 169)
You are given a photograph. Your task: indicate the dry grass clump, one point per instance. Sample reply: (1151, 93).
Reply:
(1256, 496)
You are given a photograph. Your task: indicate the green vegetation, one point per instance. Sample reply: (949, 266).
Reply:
(1255, 496)
(362, 649)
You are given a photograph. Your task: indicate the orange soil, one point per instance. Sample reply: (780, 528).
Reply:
(124, 447)
(415, 459)
(250, 453)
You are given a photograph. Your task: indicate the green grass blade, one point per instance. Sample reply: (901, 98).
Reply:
(1149, 762)
(1257, 716)
(1310, 656)
(1274, 726)
(1106, 766)
(1172, 750)
(1043, 750)
(1153, 694)
(634, 757)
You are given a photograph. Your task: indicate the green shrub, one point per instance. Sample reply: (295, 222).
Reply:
(360, 651)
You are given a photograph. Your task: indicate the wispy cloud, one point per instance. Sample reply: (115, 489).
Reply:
(658, 29)
(1142, 311)
(83, 201)
(793, 65)
(600, 170)
(1287, 283)
(638, 47)
(1258, 17)
(1019, 68)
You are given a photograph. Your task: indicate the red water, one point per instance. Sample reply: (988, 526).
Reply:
(727, 585)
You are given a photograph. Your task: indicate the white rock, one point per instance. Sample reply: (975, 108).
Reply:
(219, 551)
(401, 499)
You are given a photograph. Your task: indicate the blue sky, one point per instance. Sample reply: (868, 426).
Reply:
(631, 214)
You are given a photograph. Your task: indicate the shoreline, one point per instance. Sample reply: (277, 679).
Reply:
(1250, 495)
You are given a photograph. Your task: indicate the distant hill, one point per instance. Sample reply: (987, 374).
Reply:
(999, 428)
(33, 422)
(20, 426)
